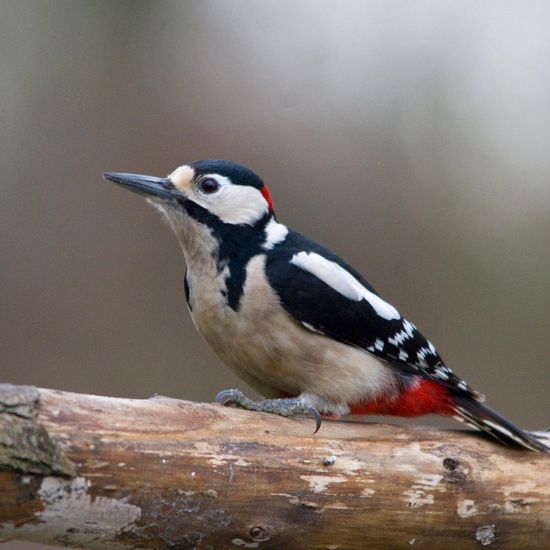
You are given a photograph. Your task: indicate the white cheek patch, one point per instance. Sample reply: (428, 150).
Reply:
(235, 204)
(275, 233)
(343, 282)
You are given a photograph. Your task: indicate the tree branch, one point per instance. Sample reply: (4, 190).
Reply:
(99, 472)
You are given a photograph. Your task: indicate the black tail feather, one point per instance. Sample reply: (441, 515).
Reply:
(478, 415)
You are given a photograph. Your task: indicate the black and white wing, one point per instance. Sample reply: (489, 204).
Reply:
(327, 296)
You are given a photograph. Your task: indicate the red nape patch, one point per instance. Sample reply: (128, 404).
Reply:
(422, 397)
(265, 192)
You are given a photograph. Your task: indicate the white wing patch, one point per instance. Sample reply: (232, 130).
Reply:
(343, 282)
(275, 233)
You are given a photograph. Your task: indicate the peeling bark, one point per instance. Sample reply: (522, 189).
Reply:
(96, 472)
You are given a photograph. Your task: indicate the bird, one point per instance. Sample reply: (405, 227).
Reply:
(292, 319)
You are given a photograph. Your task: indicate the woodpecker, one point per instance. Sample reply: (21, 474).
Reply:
(292, 319)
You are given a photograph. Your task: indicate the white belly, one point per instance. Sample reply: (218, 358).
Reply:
(276, 355)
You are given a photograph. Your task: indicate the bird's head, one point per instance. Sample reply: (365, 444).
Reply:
(230, 192)
(221, 191)
(215, 207)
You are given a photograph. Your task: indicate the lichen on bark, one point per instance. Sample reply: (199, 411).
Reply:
(25, 445)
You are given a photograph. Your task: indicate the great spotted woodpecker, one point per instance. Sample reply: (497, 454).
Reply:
(295, 321)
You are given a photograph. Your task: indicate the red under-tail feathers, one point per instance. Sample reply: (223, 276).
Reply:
(422, 397)
(430, 397)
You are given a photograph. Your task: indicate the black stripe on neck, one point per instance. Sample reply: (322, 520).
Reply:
(237, 244)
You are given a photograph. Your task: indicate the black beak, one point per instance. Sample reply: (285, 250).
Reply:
(143, 185)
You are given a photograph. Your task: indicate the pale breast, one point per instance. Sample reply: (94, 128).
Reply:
(274, 354)
(260, 341)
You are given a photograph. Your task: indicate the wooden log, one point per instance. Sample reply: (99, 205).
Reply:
(97, 472)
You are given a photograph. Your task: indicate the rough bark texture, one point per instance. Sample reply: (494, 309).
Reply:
(99, 472)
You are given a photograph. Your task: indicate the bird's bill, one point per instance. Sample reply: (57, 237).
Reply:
(150, 186)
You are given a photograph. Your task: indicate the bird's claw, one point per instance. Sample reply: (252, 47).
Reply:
(317, 417)
(287, 407)
(228, 397)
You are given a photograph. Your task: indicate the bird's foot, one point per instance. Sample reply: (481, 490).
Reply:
(287, 406)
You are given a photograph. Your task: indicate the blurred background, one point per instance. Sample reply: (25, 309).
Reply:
(410, 137)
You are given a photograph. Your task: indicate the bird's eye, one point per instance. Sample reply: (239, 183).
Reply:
(208, 186)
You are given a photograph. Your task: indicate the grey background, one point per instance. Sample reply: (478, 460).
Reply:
(410, 137)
